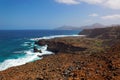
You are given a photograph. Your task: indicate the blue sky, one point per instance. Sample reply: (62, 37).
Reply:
(48, 14)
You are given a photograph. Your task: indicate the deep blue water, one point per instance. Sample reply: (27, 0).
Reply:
(14, 43)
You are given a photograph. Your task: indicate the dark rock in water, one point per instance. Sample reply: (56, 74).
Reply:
(36, 50)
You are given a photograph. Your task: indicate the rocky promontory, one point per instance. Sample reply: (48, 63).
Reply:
(57, 45)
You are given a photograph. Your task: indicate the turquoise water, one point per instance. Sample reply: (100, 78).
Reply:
(16, 46)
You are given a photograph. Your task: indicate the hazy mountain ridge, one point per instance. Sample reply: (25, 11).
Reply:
(96, 25)
(67, 28)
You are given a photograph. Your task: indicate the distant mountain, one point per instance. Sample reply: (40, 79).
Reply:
(96, 25)
(67, 28)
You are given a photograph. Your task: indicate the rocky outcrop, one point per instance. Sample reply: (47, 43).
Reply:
(36, 50)
(60, 46)
(103, 33)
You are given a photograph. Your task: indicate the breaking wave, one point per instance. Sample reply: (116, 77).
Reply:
(29, 55)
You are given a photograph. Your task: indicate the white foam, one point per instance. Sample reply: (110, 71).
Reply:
(55, 36)
(43, 50)
(28, 44)
(28, 57)
(16, 62)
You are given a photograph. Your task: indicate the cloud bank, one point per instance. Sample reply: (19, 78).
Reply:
(111, 17)
(112, 4)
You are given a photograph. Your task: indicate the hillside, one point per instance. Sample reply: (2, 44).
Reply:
(103, 33)
(96, 25)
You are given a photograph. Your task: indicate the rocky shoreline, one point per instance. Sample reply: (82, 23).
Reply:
(76, 58)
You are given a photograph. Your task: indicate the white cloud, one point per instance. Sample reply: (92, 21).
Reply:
(112, 4)
(94, 15)
(92, 1)
(111, 17)
(68, 1)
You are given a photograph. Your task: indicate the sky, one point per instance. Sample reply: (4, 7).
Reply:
(49, 14)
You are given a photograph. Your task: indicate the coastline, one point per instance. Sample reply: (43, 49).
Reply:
(29, 54)
(65, 65)
(98, 61)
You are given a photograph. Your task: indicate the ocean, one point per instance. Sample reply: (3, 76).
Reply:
(16, 46)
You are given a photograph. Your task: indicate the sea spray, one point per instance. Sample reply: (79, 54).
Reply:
(28, 57)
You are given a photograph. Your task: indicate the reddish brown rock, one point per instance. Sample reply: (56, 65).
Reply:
(92, 64)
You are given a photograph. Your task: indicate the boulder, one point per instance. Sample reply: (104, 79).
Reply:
(36, 50)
